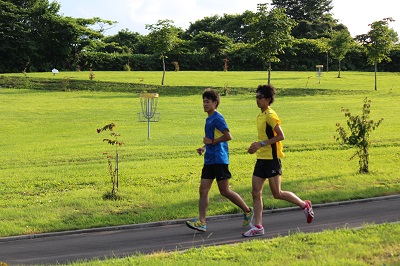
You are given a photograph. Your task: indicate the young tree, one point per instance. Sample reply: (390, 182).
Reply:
(323, 44)
(358, 137)
(270, 32)
(378, 42)
(163, 38)
(339, 45)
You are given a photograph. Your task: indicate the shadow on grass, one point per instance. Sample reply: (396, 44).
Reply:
(49, 85)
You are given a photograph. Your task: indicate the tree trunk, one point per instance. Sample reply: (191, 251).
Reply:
(376, 70)
(269, 71)
(163, 64)
(339, 68)
(327, 61)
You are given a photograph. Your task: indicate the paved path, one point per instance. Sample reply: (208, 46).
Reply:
(70, 246)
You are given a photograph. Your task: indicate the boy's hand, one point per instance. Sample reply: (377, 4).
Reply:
(201, 150)
(254, 147)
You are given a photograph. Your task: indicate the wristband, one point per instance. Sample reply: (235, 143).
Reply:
(263, 144)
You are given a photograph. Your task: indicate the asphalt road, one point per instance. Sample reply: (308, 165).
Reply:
(63, 247)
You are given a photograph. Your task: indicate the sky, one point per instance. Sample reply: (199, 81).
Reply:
(135, 14)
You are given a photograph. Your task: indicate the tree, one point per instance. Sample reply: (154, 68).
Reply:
(125, 41)
(231, 26)
(214, 43)
(378, 42)
(33, 33)
(113, 169)
(270, 33)
(163, 37)
(313, 17)
(323, 44)
(360, 128)
(339, 45)
(307, 10)
(14, 41)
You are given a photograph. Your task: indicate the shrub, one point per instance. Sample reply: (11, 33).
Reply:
(360, 128)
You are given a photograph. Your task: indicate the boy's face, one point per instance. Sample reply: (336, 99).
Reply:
(209, 105)
(262, 102)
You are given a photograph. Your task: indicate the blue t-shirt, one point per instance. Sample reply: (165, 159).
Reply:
(218, 153)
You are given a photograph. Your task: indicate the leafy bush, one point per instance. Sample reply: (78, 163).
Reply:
(360, 128)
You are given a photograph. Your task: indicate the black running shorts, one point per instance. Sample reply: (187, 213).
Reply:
(217, 171)
(267, 168)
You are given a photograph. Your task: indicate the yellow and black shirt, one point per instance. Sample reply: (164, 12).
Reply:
(266, 123)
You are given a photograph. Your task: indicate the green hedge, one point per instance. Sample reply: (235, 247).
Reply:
(301, 58)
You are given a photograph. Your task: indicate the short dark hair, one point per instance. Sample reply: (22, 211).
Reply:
(212, 95)
(268, 91)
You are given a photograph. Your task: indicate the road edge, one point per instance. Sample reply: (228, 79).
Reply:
(182, 221)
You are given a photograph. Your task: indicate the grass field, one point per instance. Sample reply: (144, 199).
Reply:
(53, 171)
(232, 80)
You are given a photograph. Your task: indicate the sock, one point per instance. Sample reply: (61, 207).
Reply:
(259, 226)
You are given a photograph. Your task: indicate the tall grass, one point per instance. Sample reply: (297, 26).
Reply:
(54, 174)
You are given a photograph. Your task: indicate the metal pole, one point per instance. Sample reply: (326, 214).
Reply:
(148, 103)
(319, 75)
(148, 117)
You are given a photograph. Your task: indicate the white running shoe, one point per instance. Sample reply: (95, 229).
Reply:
(254, 231)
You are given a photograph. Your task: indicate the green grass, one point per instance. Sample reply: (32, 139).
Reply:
(231, 80)
(53, 172)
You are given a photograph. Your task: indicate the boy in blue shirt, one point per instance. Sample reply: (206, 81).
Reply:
(216, 162)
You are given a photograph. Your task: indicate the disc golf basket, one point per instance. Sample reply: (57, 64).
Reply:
(148, 103)
(319, 72)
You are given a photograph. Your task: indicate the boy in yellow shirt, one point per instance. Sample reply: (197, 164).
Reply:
(269, 149)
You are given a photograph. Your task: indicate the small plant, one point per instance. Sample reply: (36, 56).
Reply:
(26, 68)
(127, 67)
(112, 168)
(226, 66)
(91, 74)
(360, 128)
(65, 83)
(176, 65)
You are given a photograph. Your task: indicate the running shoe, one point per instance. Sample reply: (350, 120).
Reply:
(254, 231)
(248, 217)
(196, 225)
(308, 211)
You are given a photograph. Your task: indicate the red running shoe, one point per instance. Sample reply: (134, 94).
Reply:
(308, 211)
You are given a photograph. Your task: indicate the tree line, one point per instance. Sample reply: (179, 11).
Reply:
(286, 35)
